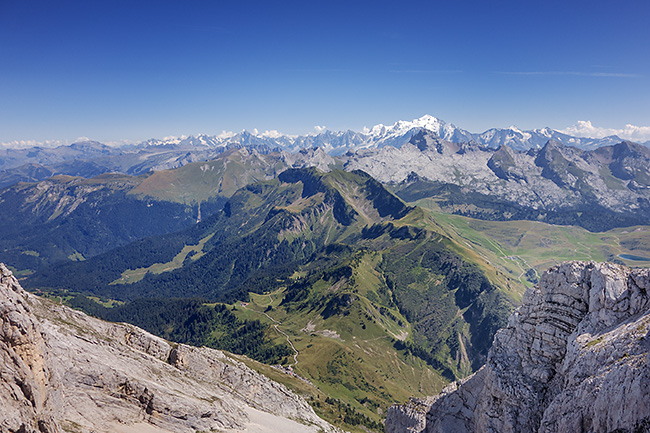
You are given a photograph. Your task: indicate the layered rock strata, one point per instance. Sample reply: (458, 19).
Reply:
(64, 371)
(573, 358)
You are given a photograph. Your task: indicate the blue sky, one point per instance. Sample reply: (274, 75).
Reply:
(132, 70)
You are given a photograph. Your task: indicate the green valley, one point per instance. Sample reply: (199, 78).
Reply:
(524, 249)
(374, 299)
(360, 298)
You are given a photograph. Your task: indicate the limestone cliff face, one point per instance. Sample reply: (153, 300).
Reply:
(64, 371)
(573, 358)
(25, 376)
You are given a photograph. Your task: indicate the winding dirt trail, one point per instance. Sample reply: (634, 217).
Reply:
(276, 326)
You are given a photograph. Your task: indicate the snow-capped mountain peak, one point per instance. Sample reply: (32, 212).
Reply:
(402, 126)
(546, 131)
(380, 135)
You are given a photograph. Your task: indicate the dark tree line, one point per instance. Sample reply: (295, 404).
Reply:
(190, 321)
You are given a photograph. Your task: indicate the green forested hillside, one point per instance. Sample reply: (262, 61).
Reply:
(376, 301)
(190, 321)
(68, 218)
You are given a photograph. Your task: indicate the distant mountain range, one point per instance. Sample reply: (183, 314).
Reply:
(339, 142)
(596, 189)
(91, 158)
(47, 221)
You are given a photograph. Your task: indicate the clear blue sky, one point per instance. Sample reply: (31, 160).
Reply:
(113, 70)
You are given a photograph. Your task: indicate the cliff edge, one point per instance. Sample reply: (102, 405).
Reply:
(573, 358)
(62, 370)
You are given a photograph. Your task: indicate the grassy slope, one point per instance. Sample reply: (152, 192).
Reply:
(515, 247)
(348, 356)
(201, 181)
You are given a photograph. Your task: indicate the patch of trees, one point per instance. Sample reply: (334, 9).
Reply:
(350, 416)
(228, 271)
(486, 316)
(190, 321)
(425, 355)
(430, 285)
(94, 275)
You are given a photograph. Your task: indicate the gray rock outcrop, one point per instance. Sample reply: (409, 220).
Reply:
(25, 375)
(65, 371)
(551, 178)
(573, 358)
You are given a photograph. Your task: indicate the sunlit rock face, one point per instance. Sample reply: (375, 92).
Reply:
(62, 370)
(573, 358)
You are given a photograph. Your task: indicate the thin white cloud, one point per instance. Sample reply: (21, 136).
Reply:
(584, 128)
(119, 143)
(26, 144)
(614, 74)
(571, 73)
(174, 138)
(226, 134)
(271, 134)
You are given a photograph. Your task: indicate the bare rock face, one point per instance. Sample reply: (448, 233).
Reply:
(573, 358)
(409, 417)
(65, 371)
(25, 377)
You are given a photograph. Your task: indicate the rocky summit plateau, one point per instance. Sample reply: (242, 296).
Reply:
(573, 358)
(61, 370)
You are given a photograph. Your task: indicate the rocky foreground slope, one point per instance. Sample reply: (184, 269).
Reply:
(61, 370)
(573, 358)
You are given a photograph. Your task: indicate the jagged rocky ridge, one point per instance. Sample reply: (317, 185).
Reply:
(598, 190)
(90, 158)
(554, 176)
(573, 358)
(61, 370)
